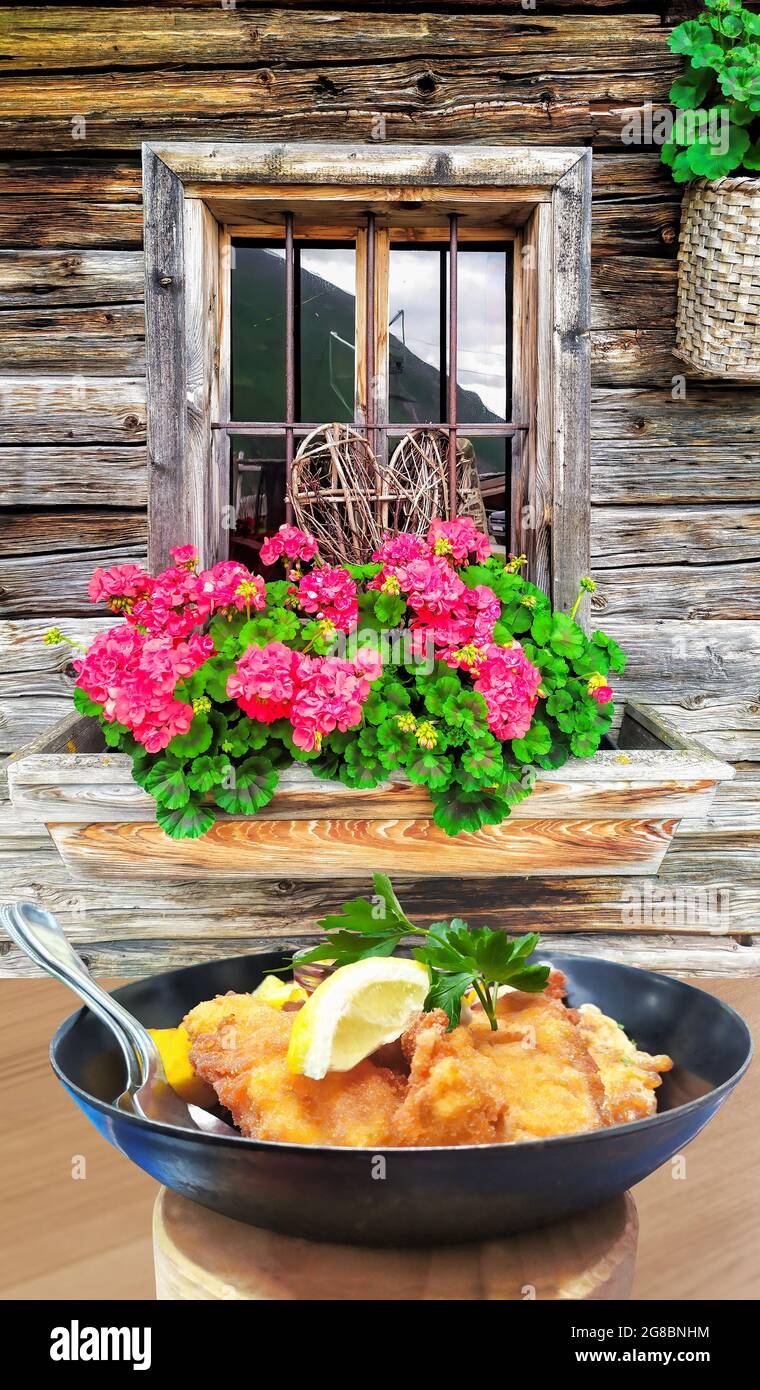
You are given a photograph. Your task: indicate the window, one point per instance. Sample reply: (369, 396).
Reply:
(215, 245)
(412, 329)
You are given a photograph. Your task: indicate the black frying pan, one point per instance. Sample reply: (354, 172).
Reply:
(416, 1196)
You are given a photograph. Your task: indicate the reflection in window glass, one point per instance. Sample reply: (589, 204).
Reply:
(418, 347)
(324, 355)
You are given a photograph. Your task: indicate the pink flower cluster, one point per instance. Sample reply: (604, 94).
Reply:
(133, 675)
(288, 543)
(509, 683)
(178, 600)
(316, 694)
(331, 595)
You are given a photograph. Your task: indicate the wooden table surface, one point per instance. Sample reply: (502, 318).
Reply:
(75, 1217)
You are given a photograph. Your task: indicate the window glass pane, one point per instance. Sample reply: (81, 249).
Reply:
(327, 322)
(418, 347)
(416, 391)
(325, 359)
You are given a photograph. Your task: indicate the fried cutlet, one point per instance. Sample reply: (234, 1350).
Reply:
(455, 1093)
(630, 1077)
(239, 1046)
(549, 1080)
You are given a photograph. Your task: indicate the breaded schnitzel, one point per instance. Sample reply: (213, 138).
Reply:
(548, 1077)
(630, 1077)
(455, 1093)
(239, 1046)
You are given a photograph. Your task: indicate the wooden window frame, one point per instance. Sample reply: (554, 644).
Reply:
(197, 196)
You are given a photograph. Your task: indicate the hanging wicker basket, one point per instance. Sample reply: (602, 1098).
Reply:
(718, 323)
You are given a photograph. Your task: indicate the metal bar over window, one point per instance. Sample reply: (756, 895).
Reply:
(452, 411)
(290, 360)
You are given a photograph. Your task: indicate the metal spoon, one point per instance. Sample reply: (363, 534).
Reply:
(148, 1092)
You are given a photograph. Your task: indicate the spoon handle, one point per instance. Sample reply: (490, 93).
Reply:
(37, 932)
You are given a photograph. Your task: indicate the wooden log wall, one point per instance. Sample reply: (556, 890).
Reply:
(676, 458)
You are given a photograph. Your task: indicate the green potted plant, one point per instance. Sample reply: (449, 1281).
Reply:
(715, 148)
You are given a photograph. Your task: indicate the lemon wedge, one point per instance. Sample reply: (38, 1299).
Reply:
(354, 1011)
(174, 1047)
(277, 992)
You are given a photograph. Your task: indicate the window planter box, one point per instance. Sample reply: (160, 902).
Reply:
(612, 814)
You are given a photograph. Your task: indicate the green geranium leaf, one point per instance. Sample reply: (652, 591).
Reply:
(429, 768)
(538, 740)
(484, 764)
(215, 674)
(195, 741)
(389, 609)
(616, 654)
(187, 822)
(456, 810)
(689, 38)
(567, 638)
(205, 773)
(541, 628)
(584, 744)
(167, 782)
(714, 159)
(273, 625)
(254, 782)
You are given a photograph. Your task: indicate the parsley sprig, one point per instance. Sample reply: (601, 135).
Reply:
(458, 958)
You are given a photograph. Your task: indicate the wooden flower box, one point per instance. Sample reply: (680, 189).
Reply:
(612, 814)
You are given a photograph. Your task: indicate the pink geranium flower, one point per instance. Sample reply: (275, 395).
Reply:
(602, 694)
(186, 556)
(119, 582)
(509, 683)
(331, 595)
(459, 539)
(289, 543)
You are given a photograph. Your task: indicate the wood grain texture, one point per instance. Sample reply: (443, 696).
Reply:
(674, 660)
(62, 475)
(29, 667)
(646, 474)
(59, 588)
(683, 592)
(571, 237)
(72, 409)
(109, 340)
(53, 278)
(66, 222)
(632, 536)
(259, 35)
(201, 1256)
(324, 849)
(39, 533)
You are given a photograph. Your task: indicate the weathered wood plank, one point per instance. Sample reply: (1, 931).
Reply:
(266, 849)
(735, 806)
(622, 418)
(101, 180)
(100, 474)
(626, 536)
(99, 787)
(693, 956)
(59, 38)
(729, 727)
(647, 227)
(58, 587)
(636, 357)
(29, 668)
(654, 592)
(21, 839)
(37, 533)
(49, 219)
(671, 661)
(591, 89)
(66, 410)
(571, 240)
(23, 719)
(44, 278)
(648, 474)
(160, 911)
(102, 341)
(631, 291)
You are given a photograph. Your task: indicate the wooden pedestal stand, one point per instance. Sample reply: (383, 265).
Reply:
(202, 1256)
